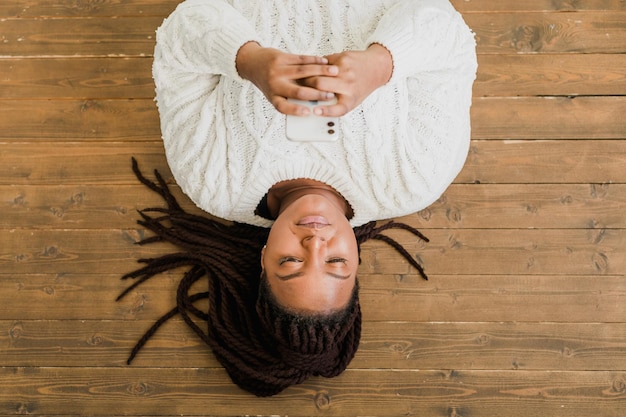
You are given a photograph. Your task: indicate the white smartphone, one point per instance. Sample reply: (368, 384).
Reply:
(312, 128)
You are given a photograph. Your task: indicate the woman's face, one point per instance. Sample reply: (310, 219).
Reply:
(311, 257)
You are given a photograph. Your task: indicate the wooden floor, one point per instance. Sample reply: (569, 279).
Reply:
(525, 311)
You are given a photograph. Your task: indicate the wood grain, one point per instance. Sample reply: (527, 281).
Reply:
(463, 206)
(595, 251)
(397, 345)
(523, 313)
(133, 36)
(140, 8)
(377, 392)
(500, 75)
(507, 162)
(492, 118)
(583, 32)
(577, 299)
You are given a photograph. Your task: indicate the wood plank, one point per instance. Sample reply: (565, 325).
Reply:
(551, 75)
(109, 391)
(88, 296)
(464, 251)
(391, 297)
(523, 314)
(508, 162)
(586, 206)
(86, 8)
(518, 162)
(498, 75)
(78, 163)
(584, 32)
(384, 345)
(492, 118)
(487, 297)
(508, 251)
(549, 118)
(497, 6)
(463, 206)
(79, 78)
(139, 8)
(84, 120)
(78, 207)
(102, 37)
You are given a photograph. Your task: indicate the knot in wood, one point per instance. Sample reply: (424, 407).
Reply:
(601, 262)
(16, 330)
(322, 401)
(95, 340)
(619, 386)
(50, 252)
(77, 198)
(425, 214)
(57, 212)
(397, 348)
(567, 352)
(597, 232)
(454, 215)
(22, 409)
(138, 389)
(22, 257)
(20, 200)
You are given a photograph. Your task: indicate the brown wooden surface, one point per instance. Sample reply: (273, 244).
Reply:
(523, 314)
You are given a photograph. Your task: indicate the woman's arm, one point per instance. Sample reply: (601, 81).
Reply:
(424, 36)
(279, 75)
(211, 39)
(412, 38)
(359, 73)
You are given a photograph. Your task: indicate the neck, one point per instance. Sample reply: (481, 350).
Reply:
(285, 192)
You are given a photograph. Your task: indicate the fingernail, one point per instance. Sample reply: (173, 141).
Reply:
(333, 70)
(317, 111)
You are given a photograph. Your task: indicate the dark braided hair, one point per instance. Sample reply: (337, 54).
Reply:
(264, 346)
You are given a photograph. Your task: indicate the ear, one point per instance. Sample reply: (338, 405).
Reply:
(263, 257)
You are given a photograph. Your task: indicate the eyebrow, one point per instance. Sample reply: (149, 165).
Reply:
(299, 274)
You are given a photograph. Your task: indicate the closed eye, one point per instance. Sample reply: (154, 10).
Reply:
(337, 260)
(286, 259)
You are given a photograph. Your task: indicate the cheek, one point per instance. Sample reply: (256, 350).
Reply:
(279, 236)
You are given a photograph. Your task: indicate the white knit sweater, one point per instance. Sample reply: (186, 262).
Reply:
(396, 153)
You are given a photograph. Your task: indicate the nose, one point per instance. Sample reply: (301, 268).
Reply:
(314, 241)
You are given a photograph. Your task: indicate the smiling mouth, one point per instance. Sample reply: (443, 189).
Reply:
(316, 222)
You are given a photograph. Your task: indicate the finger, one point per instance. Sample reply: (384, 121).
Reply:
(332, 84)
(301, 92)
(300, 72)
(290, 108)
(334, 110)
(294, 59)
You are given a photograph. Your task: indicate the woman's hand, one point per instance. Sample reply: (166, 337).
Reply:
(280, 76)
(360, 73)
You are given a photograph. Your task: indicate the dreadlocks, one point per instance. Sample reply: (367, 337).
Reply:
(264, 347)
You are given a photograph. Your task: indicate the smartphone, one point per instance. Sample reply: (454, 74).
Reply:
(312, 128)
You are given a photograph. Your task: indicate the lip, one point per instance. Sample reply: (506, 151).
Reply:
(316, 222)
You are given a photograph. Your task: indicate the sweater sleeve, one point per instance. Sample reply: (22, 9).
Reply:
(194, 62)
(202, 36)
(424, 36)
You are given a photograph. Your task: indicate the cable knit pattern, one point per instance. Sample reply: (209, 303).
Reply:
(396, 153)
